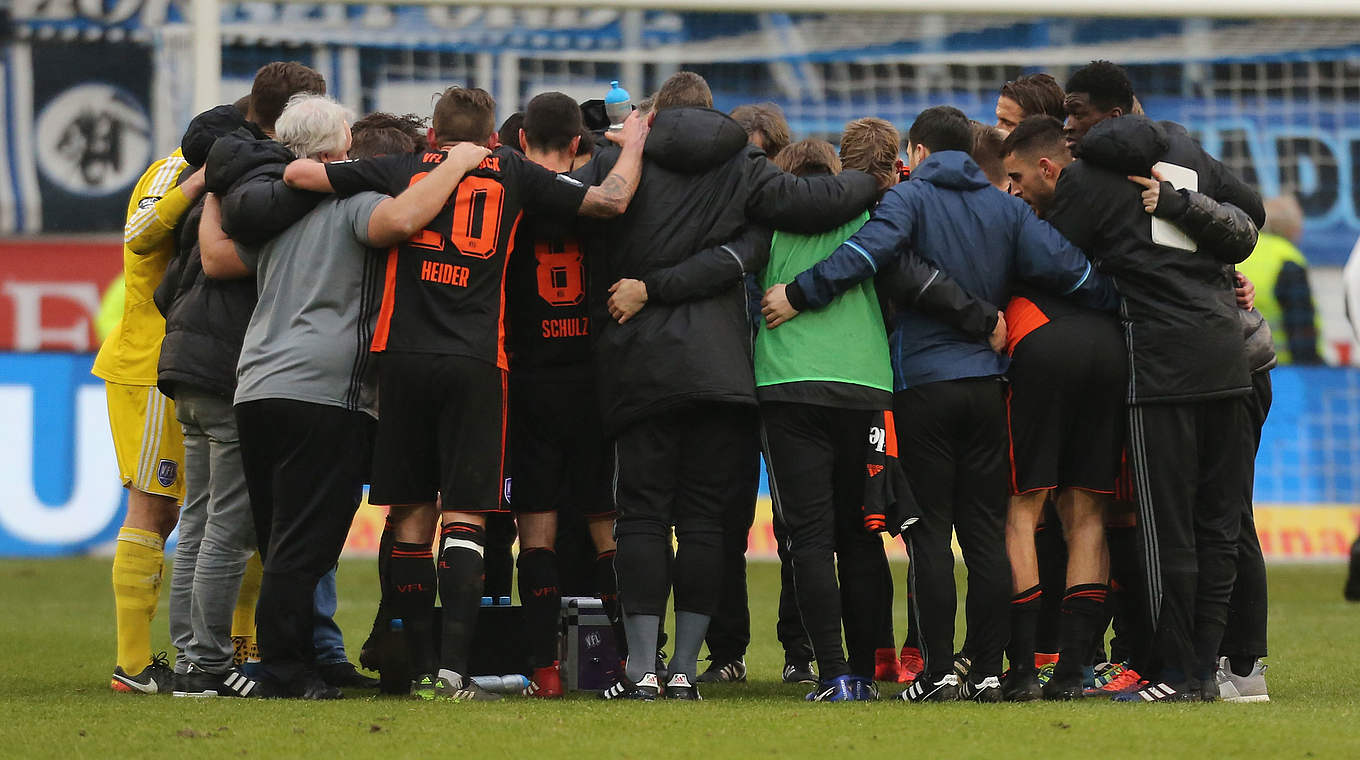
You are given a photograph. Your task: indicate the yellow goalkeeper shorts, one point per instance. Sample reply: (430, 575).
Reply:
(147, 439)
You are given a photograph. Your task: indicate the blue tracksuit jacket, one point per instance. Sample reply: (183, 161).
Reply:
(951, 216)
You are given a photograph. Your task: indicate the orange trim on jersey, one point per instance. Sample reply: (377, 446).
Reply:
(388, 302)
(1123, 484)
(1023, 317)
(1010, 437)
(505, 417)
(502, 360)
(890, 433)
(1040, 489)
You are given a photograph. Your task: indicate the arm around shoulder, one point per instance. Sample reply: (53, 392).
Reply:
(217, 251)
(806, 204)
(151, 224)
(611, 197)
(396, 219)
(306, 174)
(1225, 231)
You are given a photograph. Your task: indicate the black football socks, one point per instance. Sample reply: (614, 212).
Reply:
(411, 577)
(1025, 607)
(541, 596)
(461, 550)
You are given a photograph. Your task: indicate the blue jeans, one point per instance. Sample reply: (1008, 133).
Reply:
(327, 641)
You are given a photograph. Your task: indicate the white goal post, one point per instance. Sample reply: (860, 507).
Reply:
(208, 61)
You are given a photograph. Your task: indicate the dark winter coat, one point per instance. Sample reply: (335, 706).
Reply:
(1181, 324)
(701, 185)
(206, 319)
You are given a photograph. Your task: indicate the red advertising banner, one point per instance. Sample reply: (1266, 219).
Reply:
(50, 291)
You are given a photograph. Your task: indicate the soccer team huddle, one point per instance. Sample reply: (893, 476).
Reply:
(1028, 334)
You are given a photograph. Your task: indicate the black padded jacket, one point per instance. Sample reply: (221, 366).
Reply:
(1181, 325)
(702, 183)
(206, 319)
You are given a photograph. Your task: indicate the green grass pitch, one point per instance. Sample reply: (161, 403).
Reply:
(56, 653)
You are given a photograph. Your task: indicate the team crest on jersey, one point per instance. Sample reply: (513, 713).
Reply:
(148, 201)
(166, 472)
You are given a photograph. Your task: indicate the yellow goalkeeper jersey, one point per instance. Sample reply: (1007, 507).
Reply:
(130, 352)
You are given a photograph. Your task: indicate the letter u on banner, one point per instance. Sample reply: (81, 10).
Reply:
(95, 494)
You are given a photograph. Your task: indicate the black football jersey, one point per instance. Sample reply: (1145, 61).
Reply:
(444, 288)
(548, 317)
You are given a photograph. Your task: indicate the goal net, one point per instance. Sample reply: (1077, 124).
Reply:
(1276, 99)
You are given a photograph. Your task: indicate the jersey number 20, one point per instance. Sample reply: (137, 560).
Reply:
(475, 226)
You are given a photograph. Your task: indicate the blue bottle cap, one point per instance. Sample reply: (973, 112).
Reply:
(486, 601)
(505, 601)
(616, 94)
(395, 624)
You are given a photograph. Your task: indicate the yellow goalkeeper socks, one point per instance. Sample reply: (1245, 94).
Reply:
(138, 559)
(243, 620)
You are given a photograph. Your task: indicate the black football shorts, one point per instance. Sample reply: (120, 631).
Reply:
(441, 431)
(559, 456)
(1068, 380)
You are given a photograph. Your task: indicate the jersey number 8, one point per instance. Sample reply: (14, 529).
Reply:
(561, 273)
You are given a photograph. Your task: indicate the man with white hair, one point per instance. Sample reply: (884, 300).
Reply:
(304, 403)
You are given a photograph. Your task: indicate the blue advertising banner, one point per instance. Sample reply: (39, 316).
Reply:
(62, 490)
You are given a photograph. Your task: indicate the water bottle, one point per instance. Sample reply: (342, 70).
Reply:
(617, 105)
(513, 683)
(395, 675)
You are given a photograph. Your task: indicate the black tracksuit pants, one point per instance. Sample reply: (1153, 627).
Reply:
(678, 468)
(952, 442)
(1245, 635)
(305, 466)
(816, 458)
(729, 633)
(1188, 469)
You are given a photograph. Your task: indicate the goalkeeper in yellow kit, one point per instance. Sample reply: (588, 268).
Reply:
(146, 437)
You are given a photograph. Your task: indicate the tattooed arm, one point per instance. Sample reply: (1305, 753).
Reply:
(610, 198)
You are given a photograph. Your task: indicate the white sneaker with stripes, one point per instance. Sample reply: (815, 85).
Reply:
(196, 682)
(732, 671)
(645, 690)
(1158, 692)
(943, 689)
